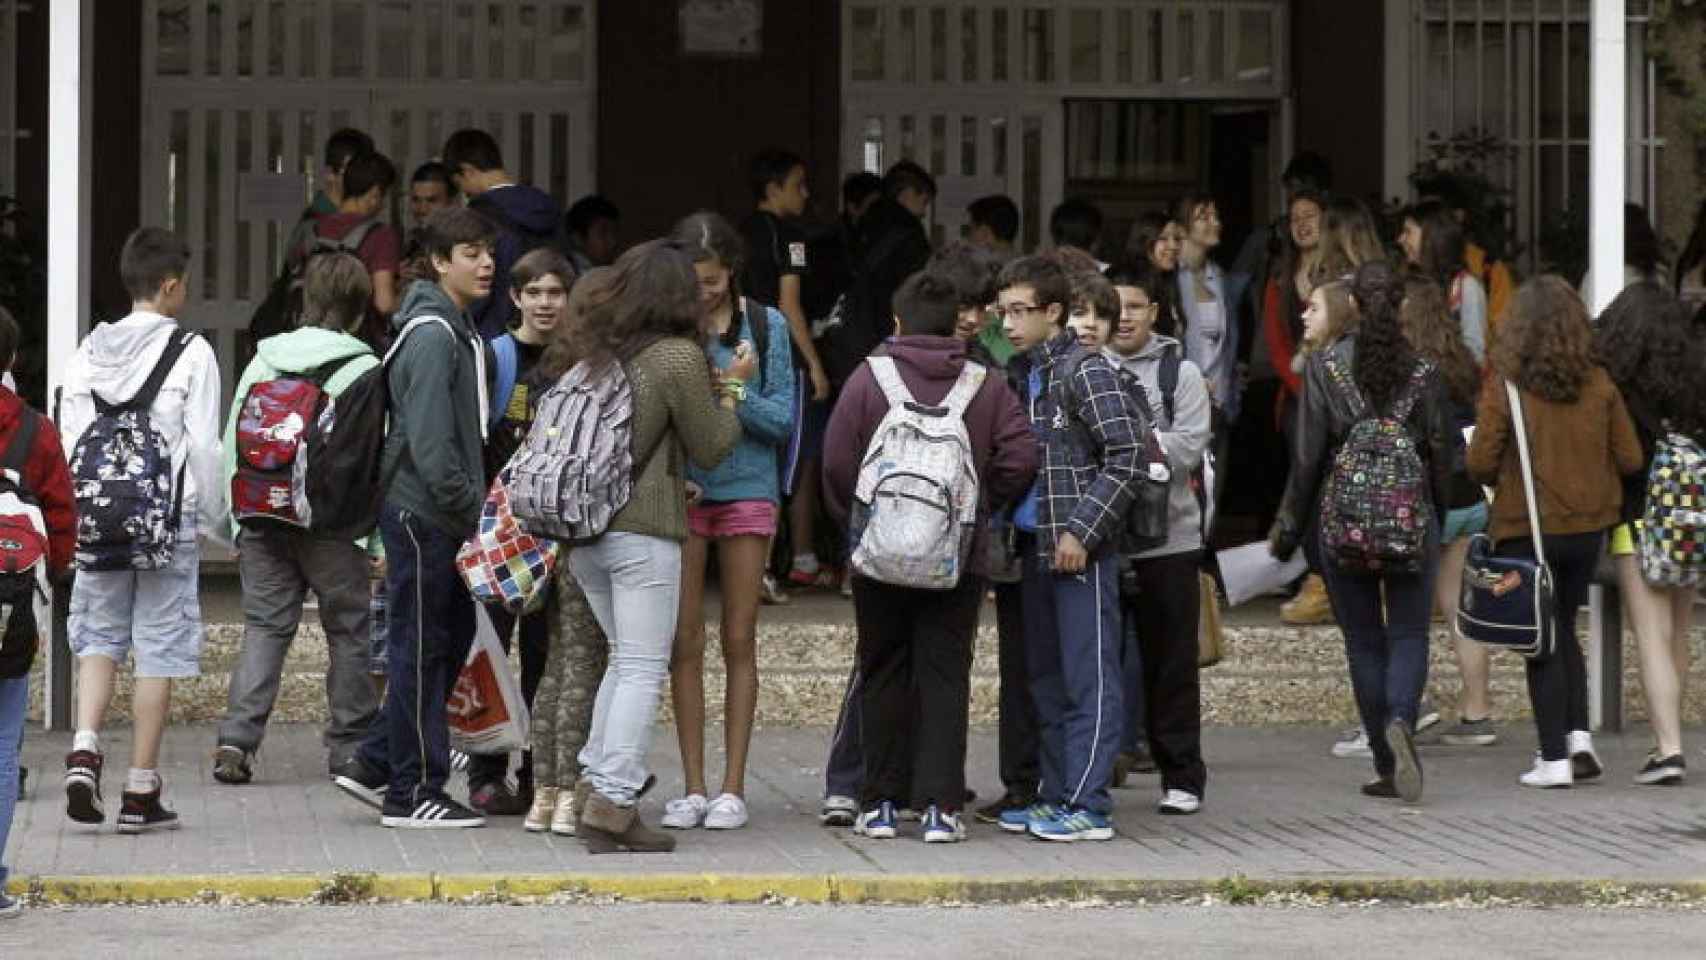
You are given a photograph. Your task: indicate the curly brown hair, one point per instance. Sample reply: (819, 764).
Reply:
(1545, 345)
(651, 292)
(1428, 326)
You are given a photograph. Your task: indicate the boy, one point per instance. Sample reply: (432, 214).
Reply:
(526, 217)
(35, 462)
(1095, 307)
(280, 563)
(154, 612)
(1163, 696)
(368, 181)
(539, 285)
(435, 377)
(915, 645)
(1071, 519)
(992, 223)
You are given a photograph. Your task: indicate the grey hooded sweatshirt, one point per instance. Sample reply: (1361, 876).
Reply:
(1184, 439)
(437, 381)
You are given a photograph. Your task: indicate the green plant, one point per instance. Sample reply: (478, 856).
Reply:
(1676, 40)
(1563, 245)
(1456, 170)
(23, 291)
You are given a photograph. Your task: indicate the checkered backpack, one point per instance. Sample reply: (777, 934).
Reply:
(1672, 538)
(1375, 510)
(501, 563)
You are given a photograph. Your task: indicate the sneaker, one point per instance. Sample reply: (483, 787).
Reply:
(727, 812)
(1548, 775)
(231, 765)
(143, 812)
(1353, 743)
(1009, 801)
(1662, 771)
(538, 818)
(772, 593)
(1584, 762)
(1427, 717)
(434, 813)
(1072, 825)
(941, 827)
(10, 906)
(878, 823)
(1020, 820)
(362, 782)
(838, 811)
(685, 813)
(1407, 777)
(1470, 733)
(498, 800)
(1179, 803)
(83, 787)
(23, 783)
(1381, 787)
(459, 761)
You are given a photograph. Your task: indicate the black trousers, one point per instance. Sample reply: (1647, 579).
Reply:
(1558, 685)
(1018, 712)
(1166, 609)
(915, 658)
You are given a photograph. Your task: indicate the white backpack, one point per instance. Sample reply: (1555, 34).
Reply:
(915, 502)
(576, 469)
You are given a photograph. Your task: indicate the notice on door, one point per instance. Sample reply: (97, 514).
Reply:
(725, 28)
(271, 196)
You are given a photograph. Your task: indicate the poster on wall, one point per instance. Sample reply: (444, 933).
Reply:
(722, 28)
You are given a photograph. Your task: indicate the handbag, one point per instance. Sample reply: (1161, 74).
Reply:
(1211, 634)
(503, 564)
(1507, 601)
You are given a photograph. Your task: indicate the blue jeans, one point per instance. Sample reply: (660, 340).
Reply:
(1072, 642)
(1387, 649)
(14, 699)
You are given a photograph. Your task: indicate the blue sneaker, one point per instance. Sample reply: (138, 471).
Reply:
(942, 827)
(877, 822)
(1020, 820)
(1070, 825)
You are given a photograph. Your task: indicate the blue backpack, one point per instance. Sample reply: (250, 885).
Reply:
(128, 498)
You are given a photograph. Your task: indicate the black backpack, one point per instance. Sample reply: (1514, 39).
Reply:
(281, 311)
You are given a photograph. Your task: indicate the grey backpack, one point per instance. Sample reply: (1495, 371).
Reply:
(576, 468)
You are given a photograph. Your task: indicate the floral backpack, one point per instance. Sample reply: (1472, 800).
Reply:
(1375, 509)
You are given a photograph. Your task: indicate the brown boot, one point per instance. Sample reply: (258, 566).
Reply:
(606, 828)
(1310, 606)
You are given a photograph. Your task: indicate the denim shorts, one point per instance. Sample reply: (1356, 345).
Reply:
(1464, 522)
(154, 615)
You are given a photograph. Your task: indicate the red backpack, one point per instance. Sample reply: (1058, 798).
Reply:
(274, 428)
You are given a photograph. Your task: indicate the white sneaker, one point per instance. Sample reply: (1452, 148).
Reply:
(838, 811)
(1427, 717)
(1353, 743)
(1584, 762)
(727, 812)
(685, 813)
(1179, 803)
(1548, 774)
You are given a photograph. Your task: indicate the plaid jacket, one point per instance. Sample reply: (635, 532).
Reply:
(1090, 448)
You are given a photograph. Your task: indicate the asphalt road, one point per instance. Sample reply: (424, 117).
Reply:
(701, 931)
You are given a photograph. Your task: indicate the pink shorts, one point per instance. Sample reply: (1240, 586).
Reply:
(736, 518)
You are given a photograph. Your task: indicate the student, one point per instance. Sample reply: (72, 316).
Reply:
(341, 147)
(1434, 244)
(368, 181)
(154, 612)
(279, 564)
(1088, 429)
(858, 191)
(732, 506)
(1156, 239)
(1077, 223)
(539, 285)
(1162, 691)
(1208, 299)
(430, 191)
(646, 315)
(525, 217)
(433, 459)
(893, 245)
(1095, 309)
(992, 223)
(590, 229)
(39, 472)
(915, 645)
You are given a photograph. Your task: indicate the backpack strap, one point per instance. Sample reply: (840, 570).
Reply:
(1339, 375)
(1412, 392)
(504, 352)
(144, 398)
(1171, 358)
(352, 241)
(758, 321)
(965, 388)
(23, 441)
(888, 378)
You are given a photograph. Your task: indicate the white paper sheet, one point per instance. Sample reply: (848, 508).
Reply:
(1249, 571)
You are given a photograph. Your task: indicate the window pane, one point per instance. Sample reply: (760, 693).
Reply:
(172, 39)
(1039, 46)
(1187, 46)
(1031, 187)
(873, 159)
(968, 45)
(1124, 54)
(349, 38)
(968, 146)
(867, 47)
(396, 25)
(1000, 37)
(1216, 46)
(1255, 46)
(938, 144)
(939, 45)
(908, 45)
(1086, 46)
(568, 43)
(998, 144)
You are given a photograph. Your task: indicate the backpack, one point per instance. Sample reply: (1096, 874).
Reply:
(576, 469)
(915, 500)
(281, 311)
(23, 554)
(505, 363)
(1375, 509)
(1147, 521)
(1671, 540)
(274, 425)
(128, 498)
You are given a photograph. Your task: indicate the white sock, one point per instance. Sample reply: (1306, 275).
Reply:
(86, 740)
(141, 781)
(805, 562)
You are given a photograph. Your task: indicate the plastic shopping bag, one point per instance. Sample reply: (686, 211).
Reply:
(487, 713)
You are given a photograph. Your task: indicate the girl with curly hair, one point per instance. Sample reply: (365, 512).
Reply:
(1581, 441)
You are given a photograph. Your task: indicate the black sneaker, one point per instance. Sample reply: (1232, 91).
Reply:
(362, 782)
(1009, 801)
(432, 813)
(1380, 787)
(498, 800)
(231, 765)
(83, 787)
(1662, 771)
(143, 812)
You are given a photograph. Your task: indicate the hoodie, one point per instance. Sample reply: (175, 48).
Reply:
(298, 351)
(1183, 439)
(526, 217)
(114, 360)
(1004, 451)
(433, 463)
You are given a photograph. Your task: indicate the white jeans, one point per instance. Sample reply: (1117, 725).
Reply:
(633, 583)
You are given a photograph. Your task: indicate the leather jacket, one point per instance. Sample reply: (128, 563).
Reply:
(1323, 420)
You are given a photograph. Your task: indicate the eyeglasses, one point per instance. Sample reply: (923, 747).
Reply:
(1004, 311)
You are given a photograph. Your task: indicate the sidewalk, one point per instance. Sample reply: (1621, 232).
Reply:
(1279, 811)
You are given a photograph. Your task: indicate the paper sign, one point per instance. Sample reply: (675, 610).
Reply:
(729, 28)
(271, 196)
(1250, 571)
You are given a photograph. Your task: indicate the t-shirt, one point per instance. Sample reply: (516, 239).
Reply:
(380, 251)
(517, 418)
(775, 248)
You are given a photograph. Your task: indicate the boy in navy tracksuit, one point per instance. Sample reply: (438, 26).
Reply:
(1089, 431)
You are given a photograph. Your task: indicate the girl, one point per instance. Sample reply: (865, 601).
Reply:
(1434, 244)
(1157, 239)
(1348, 238)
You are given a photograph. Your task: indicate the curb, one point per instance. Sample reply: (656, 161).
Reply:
(901, 889)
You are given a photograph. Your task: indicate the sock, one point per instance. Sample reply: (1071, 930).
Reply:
(141, 781)
(86, 740)
(805, 563)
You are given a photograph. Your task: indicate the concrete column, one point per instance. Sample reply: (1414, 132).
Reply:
(1608, 150)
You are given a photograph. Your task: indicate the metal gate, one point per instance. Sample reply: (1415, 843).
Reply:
(9, 132)
(239, 87)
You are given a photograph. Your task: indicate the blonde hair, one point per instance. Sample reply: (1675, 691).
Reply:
(1341, 316)
(335, 293)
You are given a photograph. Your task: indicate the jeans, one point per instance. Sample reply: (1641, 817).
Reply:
(915, 656)
(430, 630)
(1072, 638)
(1387, 649)
(633, 582)
(1164, 617)
(1017, 726)
(14, 700)
(535, 639)
(278, 567)
(1558, 685)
